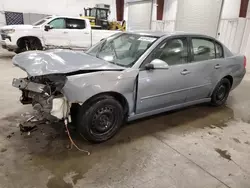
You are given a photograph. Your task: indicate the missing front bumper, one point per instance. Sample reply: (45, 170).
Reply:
(24, 84)
(43, 101)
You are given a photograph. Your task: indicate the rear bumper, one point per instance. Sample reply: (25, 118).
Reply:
(237, 79)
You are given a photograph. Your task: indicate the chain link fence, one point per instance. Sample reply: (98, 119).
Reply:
(13, 18)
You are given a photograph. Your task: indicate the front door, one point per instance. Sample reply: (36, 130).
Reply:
(160, 88)
(58, 35)
(80, 34)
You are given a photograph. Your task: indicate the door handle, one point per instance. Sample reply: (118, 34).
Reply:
(86, 33)
(65, 32)
(217, 66)
(185, 72)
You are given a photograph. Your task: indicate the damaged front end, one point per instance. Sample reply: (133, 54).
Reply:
(44, 93)
(57, 78)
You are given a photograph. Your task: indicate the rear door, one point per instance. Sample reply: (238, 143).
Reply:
(79, 33)
(204, 68)
(58, 35)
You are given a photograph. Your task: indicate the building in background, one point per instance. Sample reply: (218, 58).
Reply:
(33, 10)
(228, 20)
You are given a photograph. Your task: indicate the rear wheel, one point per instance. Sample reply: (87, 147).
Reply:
(100, 120)
(221, 92)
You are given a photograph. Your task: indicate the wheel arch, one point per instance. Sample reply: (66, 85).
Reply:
(28, 37)
(229, 77)
(116, 95)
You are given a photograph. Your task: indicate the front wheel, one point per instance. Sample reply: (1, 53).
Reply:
(28, 44)
(100, 120)
(221, 92)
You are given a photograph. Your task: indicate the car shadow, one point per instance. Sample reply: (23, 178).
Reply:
(178, 121)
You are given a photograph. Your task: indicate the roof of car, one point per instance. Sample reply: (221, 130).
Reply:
(151, 33)
(165, 33)
(72, 17)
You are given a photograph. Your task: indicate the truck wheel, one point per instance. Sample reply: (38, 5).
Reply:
(100, 120)
(221, 92)
(31, 43)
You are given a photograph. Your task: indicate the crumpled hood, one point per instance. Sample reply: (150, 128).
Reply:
(37, 63)
(17, 27)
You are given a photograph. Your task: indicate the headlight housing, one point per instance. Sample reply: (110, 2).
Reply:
(8, 31)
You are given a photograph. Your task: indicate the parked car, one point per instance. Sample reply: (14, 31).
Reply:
(52, 32)
(128, 76)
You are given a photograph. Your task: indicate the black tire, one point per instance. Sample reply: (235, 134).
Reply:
(100, 120)
(221, 92)
(19, 50)
(28, 44)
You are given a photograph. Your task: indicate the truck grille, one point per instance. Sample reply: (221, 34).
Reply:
(3, 36)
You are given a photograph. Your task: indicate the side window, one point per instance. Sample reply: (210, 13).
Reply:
(219, 50)
(75, 24)
(203, 49)
(58, 23)
(173, 52)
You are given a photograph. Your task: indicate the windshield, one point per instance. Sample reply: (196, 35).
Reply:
(40, 22)
(92, 12)
(102, 14)
(123, 50)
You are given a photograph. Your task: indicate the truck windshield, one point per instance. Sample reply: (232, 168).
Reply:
(92, 12)
(123, 50)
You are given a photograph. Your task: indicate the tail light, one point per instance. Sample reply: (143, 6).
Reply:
(245, 61)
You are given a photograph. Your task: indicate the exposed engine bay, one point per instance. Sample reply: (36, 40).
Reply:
(44, 93)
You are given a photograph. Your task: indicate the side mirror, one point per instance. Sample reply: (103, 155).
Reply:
(157, 64)
(149, 66)
(47, 27)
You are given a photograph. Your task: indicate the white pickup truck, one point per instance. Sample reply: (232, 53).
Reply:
(52, 32)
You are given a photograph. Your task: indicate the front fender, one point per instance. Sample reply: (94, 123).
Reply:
(79, 88)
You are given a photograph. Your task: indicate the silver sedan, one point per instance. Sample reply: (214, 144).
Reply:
(128, 76)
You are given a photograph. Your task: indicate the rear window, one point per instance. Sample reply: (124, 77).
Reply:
(203, 49)
(219, 50)
(75, 24)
